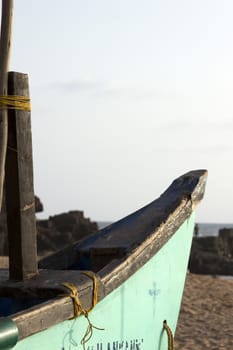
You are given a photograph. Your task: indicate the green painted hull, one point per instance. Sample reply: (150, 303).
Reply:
(140, 263)
(132, 315)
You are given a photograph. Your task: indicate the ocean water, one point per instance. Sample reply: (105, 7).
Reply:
(211, 229)
(205, 229)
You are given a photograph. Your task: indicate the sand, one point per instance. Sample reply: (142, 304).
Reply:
(206, 316)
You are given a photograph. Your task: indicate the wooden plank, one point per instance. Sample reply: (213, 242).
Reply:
(158, 220)
(101, 257)
(49, 313)
(60, 260)
(37, 319)
(47, 284)
(20, 202)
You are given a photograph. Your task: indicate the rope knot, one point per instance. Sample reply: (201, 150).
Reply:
(79, 310)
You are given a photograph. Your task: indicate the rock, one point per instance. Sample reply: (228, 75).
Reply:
(38, 205)
(53, 234)
(226, 242)
(61, 230)
(212, 255)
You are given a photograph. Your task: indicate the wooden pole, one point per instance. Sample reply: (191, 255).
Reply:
(5, 45)
(20, 201)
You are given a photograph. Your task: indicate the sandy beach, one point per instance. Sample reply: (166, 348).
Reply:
(206, 317)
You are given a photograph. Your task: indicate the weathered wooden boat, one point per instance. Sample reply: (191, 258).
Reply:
(120, 288)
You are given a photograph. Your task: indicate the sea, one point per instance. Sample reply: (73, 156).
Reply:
(204, 229)
(211, 229)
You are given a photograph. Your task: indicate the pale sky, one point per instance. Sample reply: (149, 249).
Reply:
(126, 96)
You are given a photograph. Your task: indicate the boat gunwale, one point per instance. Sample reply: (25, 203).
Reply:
(58, 309)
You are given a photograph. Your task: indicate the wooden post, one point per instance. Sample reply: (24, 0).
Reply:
(20, 202)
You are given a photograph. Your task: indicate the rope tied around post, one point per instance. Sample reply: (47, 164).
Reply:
(21, 103)
(79, 310)
(169, 335)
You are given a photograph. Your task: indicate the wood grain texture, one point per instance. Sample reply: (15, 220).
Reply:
(47, 284)
(58, 309)
(20, 202)
(182, 196)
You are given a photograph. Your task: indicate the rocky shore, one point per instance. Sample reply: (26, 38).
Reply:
(212, 255)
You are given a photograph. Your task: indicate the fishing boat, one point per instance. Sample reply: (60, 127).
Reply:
(119, 288)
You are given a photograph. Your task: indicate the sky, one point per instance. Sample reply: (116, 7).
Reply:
(126, 96)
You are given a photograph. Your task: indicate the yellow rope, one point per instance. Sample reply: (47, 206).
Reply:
(79, 310)
(21, 103)
(95, 288)
(169, 336)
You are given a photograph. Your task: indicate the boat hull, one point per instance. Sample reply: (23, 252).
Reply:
(132, 315)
